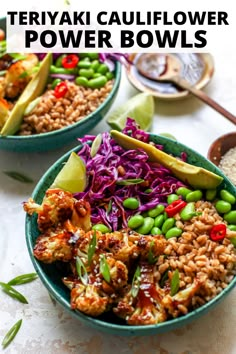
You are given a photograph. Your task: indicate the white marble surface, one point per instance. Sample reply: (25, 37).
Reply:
(46, 327)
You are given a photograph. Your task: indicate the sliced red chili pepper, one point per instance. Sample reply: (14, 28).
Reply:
(70, 61)
(218, 232)
(60, 90)
(175, 207)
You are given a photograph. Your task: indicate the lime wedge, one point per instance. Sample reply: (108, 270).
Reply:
(72, 177)
(140, 107)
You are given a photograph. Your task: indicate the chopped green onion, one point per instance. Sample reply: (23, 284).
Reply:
(174, 285)
(128, 182)
(18, 176)
(136, 282)
(13, 293)
(23, 279)
(164, 278)
(3, 47)
(104, 269)
(11, 334)
(92, 247)
(2, 72)
(151, 258)
(24, 75)
(109, 208)
(96, 145)
(81, 270)
(18, 56)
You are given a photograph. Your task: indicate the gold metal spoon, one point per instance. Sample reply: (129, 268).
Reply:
(170, 72)
(196, 177)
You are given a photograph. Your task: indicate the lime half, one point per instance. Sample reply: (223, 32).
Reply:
(140, 107)
(168, 135)
(72, 177)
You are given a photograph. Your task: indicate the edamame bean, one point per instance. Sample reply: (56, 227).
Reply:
(194, 196)
(86, 58)
(101, 227)
(83, 81)
(230, 217)
(109, 75)
(102, 69)
(210, 194)
(227, 196)
(160, 208)
(84, 64)
(58, 62)
(96, 75)
(168, 224)
(148, 224)
(222, 206)
(183, 191)
(156, 211)
(131, 203)
(188, 212)
(135, 221)
(88, 73)
(171, 198)
(159, 220)
(98, 82)
(173, 232)
(149, 190)
(55, 70)
(95, 64)
(156, 231)
(232, 227)
(55, 83)
(91, 56)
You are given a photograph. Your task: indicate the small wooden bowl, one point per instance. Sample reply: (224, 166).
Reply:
(220, 146)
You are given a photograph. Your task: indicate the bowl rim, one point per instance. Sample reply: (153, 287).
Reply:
(217, 140)
(55, 133)
(123, 330)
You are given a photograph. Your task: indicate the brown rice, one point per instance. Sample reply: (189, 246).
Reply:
(53, 113)
(195, 255)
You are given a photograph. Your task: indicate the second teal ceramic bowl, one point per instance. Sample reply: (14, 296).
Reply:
(61, 137)
(52, 279)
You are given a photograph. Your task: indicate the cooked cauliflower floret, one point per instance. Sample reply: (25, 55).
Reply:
(87, 299)
(58, 206)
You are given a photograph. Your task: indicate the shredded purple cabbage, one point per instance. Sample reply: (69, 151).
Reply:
(110, 58)
(111, 164)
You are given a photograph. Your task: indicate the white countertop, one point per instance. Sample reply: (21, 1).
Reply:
(46, 328)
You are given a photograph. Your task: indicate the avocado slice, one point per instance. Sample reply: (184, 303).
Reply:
(196, 177)
(4, 112)
(34, 89)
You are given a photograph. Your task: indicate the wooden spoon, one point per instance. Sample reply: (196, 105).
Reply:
(170, 72)
(195, 176)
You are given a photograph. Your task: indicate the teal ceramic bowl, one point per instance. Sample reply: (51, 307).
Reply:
(61, 137)
(52, 279)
